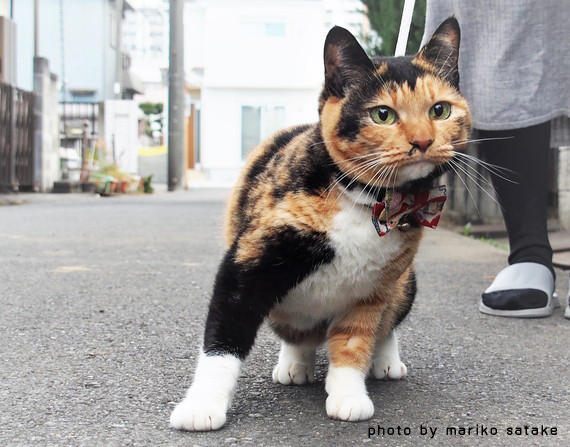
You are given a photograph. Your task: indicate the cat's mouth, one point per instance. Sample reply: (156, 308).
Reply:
(414, 171)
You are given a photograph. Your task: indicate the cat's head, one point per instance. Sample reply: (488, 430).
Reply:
(393, 121)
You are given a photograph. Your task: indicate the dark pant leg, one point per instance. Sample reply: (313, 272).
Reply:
(524, 203)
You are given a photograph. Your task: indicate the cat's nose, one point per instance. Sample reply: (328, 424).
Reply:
(422, 145)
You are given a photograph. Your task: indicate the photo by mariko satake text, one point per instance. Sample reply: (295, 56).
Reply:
(475, 430)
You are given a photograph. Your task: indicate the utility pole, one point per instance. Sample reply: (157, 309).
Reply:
(118, 86)
(176, 99)
(36, 28)
(40, 68)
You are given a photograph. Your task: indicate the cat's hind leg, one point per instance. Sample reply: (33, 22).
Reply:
(386, 363)
(296, 364)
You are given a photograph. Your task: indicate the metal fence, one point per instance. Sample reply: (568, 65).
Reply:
(16, 138)
(72, 119)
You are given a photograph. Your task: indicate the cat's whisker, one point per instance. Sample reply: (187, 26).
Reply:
(393, 177)
(363, 189)
(475, 172)
(316, 144)
(491, 168)
(467, 189)
(483, 139)
(474, 180)
(377, 174)
(360, 157)
(346, 174)
(478, 160)
(361, 171)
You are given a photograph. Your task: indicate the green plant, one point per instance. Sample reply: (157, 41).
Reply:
(147, 187)
(467, 229)
(494, 243)
(151, 109)
(385, 17)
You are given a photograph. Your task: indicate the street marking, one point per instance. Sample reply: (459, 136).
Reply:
(71, 268)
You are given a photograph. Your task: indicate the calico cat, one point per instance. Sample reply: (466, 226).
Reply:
(304, 250)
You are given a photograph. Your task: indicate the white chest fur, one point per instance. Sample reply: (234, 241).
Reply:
(360, 256)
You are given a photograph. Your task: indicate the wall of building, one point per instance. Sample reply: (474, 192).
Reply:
(5, 8)
(257, 54)
(121, 134)
(88, 59)
(222, 123)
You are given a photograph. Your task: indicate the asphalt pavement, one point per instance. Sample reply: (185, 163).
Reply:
(103, 302)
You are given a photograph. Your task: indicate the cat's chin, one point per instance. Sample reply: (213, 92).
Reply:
(415, 171)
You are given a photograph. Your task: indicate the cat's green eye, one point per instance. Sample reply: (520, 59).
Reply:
(440, 111)
(383, 115)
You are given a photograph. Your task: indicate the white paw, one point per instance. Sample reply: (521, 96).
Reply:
(349, 407)
(385, 368)
(199, 414)
(297, 373)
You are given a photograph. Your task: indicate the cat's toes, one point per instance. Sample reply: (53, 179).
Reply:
(351, 407)
(383, 368)
(200, 414)
(297, 373)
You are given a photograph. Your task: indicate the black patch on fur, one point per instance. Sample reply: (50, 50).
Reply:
(354, 109)
(350, 183)
(313, 173)
(400, 71)
(292, 336)
(442, 51)
(345, 60)
(411, 289)
(245, 293)
(258, 168)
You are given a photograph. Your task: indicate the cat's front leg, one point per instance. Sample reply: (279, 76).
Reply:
(209, 398)
(350, 345)
(237, 309)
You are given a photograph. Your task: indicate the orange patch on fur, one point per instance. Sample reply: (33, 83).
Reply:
(351, 338)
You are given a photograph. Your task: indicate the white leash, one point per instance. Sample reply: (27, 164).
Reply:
(405, 25)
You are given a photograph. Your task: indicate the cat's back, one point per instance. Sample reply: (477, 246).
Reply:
(293, 163)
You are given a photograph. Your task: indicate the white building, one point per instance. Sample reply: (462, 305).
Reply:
(145, 38)
(252, 67)
(262, 65)
(349, 14)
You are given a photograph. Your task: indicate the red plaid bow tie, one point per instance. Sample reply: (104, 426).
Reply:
(425, 207)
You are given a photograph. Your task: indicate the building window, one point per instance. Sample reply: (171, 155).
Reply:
(258, 123)
(260, 29)
(112, 30)
(275, 29)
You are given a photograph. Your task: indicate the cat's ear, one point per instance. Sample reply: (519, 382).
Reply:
(442, 50)
(345, 61)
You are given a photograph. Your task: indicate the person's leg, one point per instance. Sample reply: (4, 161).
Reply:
(525, 288)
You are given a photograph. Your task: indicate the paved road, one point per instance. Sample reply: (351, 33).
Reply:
(103, 303)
